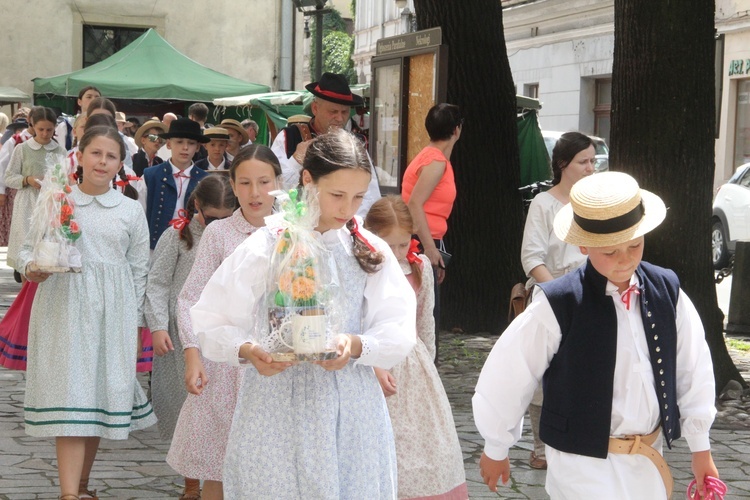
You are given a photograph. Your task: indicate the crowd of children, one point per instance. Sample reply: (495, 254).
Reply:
(191, 263)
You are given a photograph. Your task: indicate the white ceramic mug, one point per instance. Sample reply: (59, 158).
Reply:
(309, 333)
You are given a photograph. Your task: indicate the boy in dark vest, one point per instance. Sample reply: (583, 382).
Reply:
(621, 352)
(164, 189)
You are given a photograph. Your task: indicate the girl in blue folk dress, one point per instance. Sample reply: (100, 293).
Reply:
(314, 430)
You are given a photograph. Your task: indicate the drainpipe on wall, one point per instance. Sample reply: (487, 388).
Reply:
(286, 52)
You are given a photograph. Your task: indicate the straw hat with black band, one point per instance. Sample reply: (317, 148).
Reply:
(608, 209)
(216, 133)
(334, 88)
(149, 125)
(228, 123)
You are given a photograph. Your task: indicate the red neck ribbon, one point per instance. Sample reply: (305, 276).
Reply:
(625, 296)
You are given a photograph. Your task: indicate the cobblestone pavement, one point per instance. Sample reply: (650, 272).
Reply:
(135, 469)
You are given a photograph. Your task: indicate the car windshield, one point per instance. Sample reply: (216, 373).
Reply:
(600, 146)
(738, 173)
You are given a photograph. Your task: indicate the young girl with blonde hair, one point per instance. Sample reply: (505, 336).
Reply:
(430, 462)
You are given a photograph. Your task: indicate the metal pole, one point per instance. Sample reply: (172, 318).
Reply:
(318, 42)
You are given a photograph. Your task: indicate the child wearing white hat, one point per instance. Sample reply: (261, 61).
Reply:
(620, 350)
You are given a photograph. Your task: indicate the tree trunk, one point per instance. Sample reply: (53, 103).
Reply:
(663, 134)
(485, 228)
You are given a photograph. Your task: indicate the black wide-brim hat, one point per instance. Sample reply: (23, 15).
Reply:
(187, 129)
(333, 87)
(18, 124)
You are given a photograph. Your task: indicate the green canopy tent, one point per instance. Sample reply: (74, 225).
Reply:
(12, 96)
(147, 69)
(269, 109)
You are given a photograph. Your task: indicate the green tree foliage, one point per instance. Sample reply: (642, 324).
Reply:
(337, 47)
(337, 54)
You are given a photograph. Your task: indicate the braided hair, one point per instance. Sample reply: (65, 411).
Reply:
(334, 151)
(213, 191)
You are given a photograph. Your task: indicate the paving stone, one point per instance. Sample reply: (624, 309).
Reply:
(136, 468)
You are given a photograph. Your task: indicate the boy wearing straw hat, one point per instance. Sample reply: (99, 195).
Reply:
(237, 136)
(621, 353)
(217, 158)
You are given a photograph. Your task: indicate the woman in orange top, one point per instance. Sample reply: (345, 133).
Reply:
(429, 189)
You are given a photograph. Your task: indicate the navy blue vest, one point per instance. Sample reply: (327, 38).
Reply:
(161, 199)
(578, 385)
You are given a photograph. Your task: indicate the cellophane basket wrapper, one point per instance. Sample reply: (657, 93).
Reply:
(299, 316)
(54, 229)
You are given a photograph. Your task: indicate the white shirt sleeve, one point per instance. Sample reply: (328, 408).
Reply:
(128, 156)
(290, 169)
(695, 377)
(140, 187)
(536, 237)
(14, 172)
(373, 192)
(61, 131)
(223, 316)
(5, 153)
(510, 375)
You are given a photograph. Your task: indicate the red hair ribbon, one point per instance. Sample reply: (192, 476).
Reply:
(413, 255)
(181, 221)
(355, 232)
(122, 183)
(625, 296)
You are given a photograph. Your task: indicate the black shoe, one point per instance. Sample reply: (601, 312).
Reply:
(17, 276)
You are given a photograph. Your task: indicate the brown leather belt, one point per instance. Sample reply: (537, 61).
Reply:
(641, 445)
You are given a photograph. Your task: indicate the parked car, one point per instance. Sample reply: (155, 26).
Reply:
(602, 150)
(731, 216)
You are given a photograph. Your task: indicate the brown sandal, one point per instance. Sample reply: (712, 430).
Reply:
(68, 497)
(83, 489)
(192, 489)
(537, 462)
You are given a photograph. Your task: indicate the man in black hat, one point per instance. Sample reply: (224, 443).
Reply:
(331, 109)
(165, 188)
